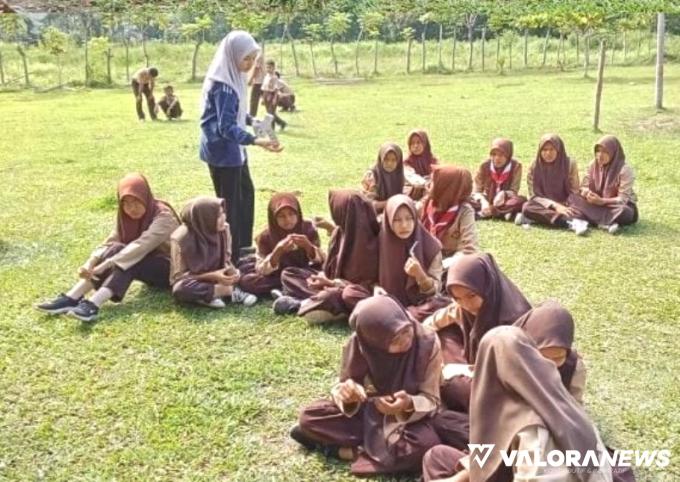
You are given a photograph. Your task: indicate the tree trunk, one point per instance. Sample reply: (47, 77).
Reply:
(660, 50)
(613, 49)
(194, 58)
(126, 42)
(283, 38)
(86, 31)
(545, 48)
(146, 54)
(2, 70)
(356, 50)
(510, 53)
(483, 47)
(625, 46)
(526, 48)
(471, 41)
(586, 55)
(292, 48)
(440, 65)
(109, 56)
(22, 53)
(639, 44)
(408, 56)
(453, 51)
(424, 54)
(375, 55)
(311, 51)
(335, 60)
(598, 89)
(498, 50)
(560, 48)
(578, 48)
(60, 70)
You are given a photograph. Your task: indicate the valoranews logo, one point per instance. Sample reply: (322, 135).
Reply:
(479, 454)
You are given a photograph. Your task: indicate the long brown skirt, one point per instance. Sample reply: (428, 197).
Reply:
(441, 462)
(513, 205)
(603, 215)
(539, 213)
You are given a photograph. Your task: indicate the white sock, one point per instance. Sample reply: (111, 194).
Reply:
(80, 289)
(101, 296)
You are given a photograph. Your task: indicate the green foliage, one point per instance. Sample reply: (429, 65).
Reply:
(337, 25)
(55, 41)
(371, 21)
(313, 31)
(408, 33)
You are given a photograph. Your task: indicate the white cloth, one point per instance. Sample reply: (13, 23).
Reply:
(224, 68)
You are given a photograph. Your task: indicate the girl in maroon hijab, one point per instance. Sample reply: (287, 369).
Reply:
(552, 179)
(386, 178)
(483, 299)
(352, 260)
(379, 413)
(418, 165)
(138, 248)
(289, 240)
(607, 199)
(497, 183)
(202, 271)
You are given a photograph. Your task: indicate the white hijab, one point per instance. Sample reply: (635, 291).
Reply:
(224, 68)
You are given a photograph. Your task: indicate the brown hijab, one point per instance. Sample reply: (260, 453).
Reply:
(501, 179)
(353, 248)
(378, 320)
(503, 301)
(451, 186)
(389, 183)
(203, 247)
(551, 179)
(551, 325)
(423, 163)
(270, 237)
(515, 387)
(605, 180)
(137, 186)
(394, 252)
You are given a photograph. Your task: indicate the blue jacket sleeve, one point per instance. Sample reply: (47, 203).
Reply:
(226, 104)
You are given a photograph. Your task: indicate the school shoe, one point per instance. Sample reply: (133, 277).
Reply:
(276, 294)
(579, 226)
(309, 443)
(85, 311)
(286, 305)
(521, 219)
(215, 303)
(508, 216)
(613, 228)
(240, 296)
(61, 304)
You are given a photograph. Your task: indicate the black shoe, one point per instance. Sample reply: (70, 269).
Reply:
(276, 294)
(85, 311)
(309, 443)
(286, 305)
(61, 304)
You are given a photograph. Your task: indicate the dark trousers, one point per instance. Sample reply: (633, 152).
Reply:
(255, 95)
(270, 104)
(174, 112)
(152, 270)
(234, 185)
(138, 90)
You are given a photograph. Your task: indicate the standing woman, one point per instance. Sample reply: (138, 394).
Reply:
(223, 134)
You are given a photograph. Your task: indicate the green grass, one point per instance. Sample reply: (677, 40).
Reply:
(163, 392)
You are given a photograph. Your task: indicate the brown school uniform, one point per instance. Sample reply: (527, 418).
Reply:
(385, 443)
(285, 96)
(143, 83)
(491, 181)
(380, 185)
(613, 181)
(171, 107)
(137, 249)
(550, 183)
(255, 81)
(418, 169)
(198, 248)
(269, 96)
(264, 273)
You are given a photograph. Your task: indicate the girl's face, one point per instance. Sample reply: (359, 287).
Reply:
(390, 162)
(133, 207)
(221, 221)
(270, 69)
(402, 341)
(467, 299)
(286, 218)
(499, 158)
(416, 146)
(548, 153)
(247, 63)
(602, 156)
(555, 354)
(403, 223)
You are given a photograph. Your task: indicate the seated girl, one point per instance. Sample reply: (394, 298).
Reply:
(138, 248)
(202, 271)
(418, 165)
(352, 260)
(497, 183)
(520, 403)
(483, 298)
(606, 198)
(379, 414)
(445, 211)
(553, 177)
(289, 240)
(386, 178)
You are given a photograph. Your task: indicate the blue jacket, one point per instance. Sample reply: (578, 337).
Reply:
(220, 133)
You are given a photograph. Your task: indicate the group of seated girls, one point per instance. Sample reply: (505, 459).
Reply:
(557, 197)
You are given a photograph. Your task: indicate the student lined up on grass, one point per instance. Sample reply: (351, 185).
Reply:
(419, 163)
(143, 82)
(386, 178)
(138, 248)
(170, 104)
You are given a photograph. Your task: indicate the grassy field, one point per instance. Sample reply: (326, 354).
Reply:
(155, 391)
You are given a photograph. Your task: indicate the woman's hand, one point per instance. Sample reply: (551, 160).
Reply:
(100, 269)
(593, 198)
(563, 210)
(319, 281)
(395, 404)
(351, 392)
(414, 269)
(268, 144)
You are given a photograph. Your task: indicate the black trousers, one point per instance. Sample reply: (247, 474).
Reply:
(234, 185)
(138, 90)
